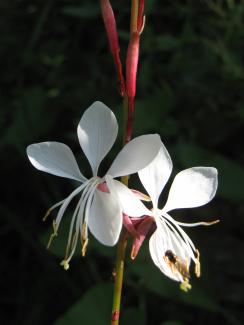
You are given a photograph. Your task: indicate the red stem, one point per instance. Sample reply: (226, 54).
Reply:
(130, 119)
(140, 16)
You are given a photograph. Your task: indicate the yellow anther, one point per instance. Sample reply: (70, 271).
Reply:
(65, 264)
(84, 247)
(185, 285)
(46, 215)
(210, 223)
(125, 180)
(146, 198)
(142, 196)
(84, 239)
(197, 264)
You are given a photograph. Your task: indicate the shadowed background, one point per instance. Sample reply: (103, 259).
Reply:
(54, 63)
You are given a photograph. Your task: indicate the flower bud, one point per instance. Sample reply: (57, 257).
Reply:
(131, 65)
(111, 29)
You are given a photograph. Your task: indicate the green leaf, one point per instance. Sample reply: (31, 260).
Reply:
(231, 174)
(59, 243)
(162, 100)
(133, 316)
(167, 43)
(28, 118)
(93, 308)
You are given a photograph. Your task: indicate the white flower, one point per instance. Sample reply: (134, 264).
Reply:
(96, 210)
(170, 247)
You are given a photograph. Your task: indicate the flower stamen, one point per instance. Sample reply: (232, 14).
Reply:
(84, 247)
(46, 215)
(50, 209)
(84, 239)
(54, 234)
(73, 240)
(197, 264)
(70, 247)
(65, 264)
(201, 223)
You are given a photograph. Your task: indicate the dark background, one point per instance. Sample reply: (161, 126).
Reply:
(54, 63)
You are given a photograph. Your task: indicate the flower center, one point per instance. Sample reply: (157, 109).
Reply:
(156, 214)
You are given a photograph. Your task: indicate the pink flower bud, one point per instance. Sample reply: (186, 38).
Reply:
(131, 65)
(111, 29)
(110, 25)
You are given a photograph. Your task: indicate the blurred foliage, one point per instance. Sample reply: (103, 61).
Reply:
(55, 63)
(93, 307)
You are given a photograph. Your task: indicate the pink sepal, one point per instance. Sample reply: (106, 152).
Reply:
(130, 224)
(111, 29)
(103, 187)
(143, 228)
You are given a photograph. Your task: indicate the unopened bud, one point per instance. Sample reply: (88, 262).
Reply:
(131, 65)
(111, 29)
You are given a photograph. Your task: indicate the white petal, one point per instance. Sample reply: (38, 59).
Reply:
(155, 176)
(97, 132)
(55, 158)
(129, 203)
(192, 187)
(105, 218)
(135, 155)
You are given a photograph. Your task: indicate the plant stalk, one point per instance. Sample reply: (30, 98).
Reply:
(119, 273)
(121, 248)
(128, 125)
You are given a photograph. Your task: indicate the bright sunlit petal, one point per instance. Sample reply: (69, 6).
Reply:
(54, 158)
(155, 176)
(105, 218)
(135, 155)
(129, 202)
(97, 132)
(192, 187)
